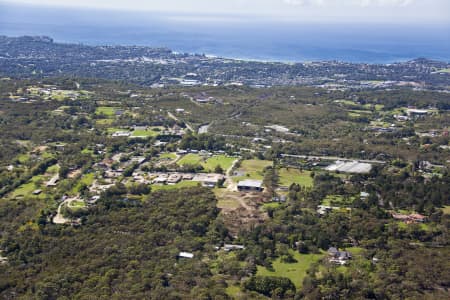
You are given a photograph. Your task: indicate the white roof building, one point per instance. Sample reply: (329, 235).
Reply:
(250, 184)
(186, 255)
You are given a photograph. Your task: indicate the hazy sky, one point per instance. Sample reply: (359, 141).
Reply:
(403, 11)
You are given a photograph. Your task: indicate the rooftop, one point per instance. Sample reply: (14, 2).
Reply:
(186, 255)
(251, 183)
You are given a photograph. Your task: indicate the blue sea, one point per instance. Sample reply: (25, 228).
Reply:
(231, 36)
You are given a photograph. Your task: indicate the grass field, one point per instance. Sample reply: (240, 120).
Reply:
(28, 188)
(377, 107)
(422, 226)
(294, 271)
(355, 251)
(179, 185)
(190, 159)
(77, 204)
(105, 110)
(224, 161)
(87, 151)
(104, 121)
(168, 155)
(290, 176)
(274, 205)
(53, 169)
(233, 290)
(86, 179)
(253, 169)
(346, 102)
(60, 95)
(23, 158)
(47, 155)
(115, 129)
(150, 132)
(337, 200)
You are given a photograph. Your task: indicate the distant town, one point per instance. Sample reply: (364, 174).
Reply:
(41, 57)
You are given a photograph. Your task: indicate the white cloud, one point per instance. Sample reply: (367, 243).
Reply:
(304, 2)
(358, 3)
(395, 11)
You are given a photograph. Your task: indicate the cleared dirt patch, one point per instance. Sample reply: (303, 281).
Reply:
(240, 210)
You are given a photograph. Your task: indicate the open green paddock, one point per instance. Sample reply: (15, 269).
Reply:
(106, 111)
(296, 272)
(253, 168)
(181, 184)
(149, 132)
(225, 162)
(210, 163)
(289, 176)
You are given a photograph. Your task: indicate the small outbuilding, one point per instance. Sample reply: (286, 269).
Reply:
(186, 255)
(231, 247)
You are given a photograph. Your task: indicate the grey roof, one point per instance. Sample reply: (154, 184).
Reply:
(251, 183)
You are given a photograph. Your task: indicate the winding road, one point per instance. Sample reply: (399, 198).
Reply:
(173, 117)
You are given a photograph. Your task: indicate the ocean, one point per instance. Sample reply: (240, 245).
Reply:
(232, 37)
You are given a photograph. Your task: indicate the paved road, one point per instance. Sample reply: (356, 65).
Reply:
(59, 218)
(230, 184)
(172, 116)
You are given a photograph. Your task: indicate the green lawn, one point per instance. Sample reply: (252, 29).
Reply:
(355, 251)
(273, 205)
(377, 107)
(105, 110)
(253, 169)
(291, 175)
(151, 132)
(77, 204)
(23, 158)
(63, 107)
(115, 129)
(87, 151)
(347, 102)
(179, 185)
(224, 161)
(295, 271)
(86, 179)
(190, 159)
(28, 188)
(47, 155)
(168, 155)
(337, 200)
(422, 226)
(59, 95)
(104, 121)
(233, 290)
(53, 169)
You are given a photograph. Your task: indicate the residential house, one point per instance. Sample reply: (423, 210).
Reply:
(338, 257)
